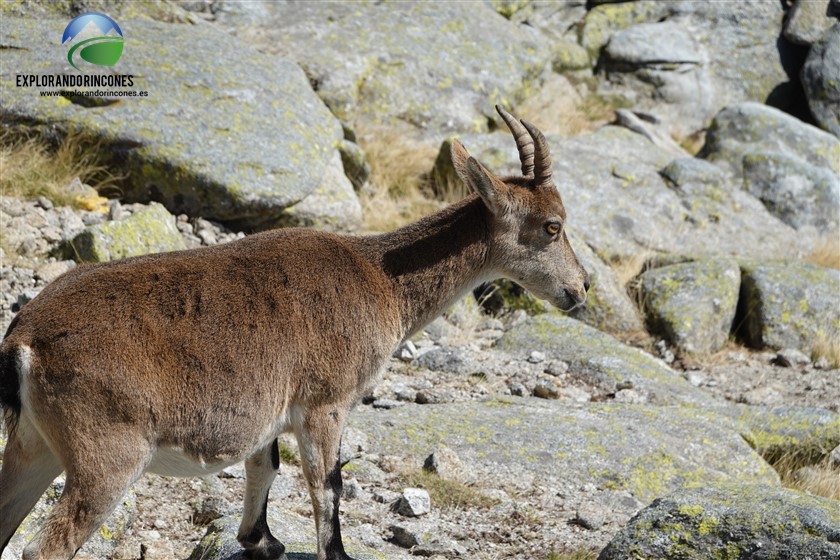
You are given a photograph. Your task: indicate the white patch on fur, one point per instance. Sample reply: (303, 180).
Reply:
(24, 366)
(172, 461)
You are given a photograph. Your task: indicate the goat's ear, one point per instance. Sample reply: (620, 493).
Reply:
(478, 179)
(491, 190)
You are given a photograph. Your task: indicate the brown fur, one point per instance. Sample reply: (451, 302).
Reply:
(196, 359)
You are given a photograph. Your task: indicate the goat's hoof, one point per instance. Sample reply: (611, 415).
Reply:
(271, 550)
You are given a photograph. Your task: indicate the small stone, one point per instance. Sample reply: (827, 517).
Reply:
(589, 517)
(835, 456)
(156, 550)
(51, 271)
(696, 378)
(664, 353)
(387, 404)
(822, 363)
(444, 462)
(384, 496)
(413, 503)
(115, 210)
(403, 536)
(24, 298)
(407, 351)
(546, 389)
(403, 392)
(629, 396)
(351, 489)
(622, 385)
(517, 389)
(556, 368)
(207, 237)
(536, 357)
(45, 203)
(794, 357)
(234, 471)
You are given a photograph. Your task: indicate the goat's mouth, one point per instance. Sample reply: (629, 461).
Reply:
(567, 302)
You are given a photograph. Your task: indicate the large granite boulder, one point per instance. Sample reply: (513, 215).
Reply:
(600, 360)
(692, 304)
(808, 20)
(644, 450)
(680, 45)
(225, 132)
(436, 66)
(736, 522)
(788, 304)
(821, 79)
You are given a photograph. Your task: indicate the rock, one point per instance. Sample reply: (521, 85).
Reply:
(820, 78)
(719, 38)
(332, 206)
(295, 531)
(753, 128)
(835, 456)
(731, 521)
(151, 230)
(786, 430)
(662, 62)
(536, 357)
(546, 389)
(444, 462)
(792, 356)
(589, 517)
(807, 21)
(407, 351)
(798, 193)
(692, 304)
(622, 167)
(446, 359)
(414, 502)
(100, 545)
(643, 449)
(608, 307)
(227, 143)
(598, 358)
(354, 162)
(363, 70)
(568, 55)
(788, 304)
(424, 538)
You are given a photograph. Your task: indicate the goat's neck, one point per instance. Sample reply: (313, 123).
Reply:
(436, 260)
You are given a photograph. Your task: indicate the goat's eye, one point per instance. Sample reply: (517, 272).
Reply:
(552, 228)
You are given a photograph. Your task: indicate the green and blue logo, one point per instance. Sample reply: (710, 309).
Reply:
(94, 38)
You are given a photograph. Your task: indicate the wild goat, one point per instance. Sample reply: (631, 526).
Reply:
(184, 363)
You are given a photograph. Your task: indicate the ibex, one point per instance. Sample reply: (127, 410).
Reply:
(185, 363)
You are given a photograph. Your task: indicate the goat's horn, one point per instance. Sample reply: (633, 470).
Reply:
(542, 157)
(524, 143)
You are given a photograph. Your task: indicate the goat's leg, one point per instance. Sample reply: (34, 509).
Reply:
(96, 481)
(254, 534)
(319, 437)
(28, 468)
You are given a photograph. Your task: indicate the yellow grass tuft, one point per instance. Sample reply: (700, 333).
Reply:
(398, 189)
(447, 493)
(827, 346)
(827, 252)
(820, 479)
(628, 268)
(580, 554)
(30, 167)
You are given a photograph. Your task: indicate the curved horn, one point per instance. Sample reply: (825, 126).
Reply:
(542, 157)
(524, 143)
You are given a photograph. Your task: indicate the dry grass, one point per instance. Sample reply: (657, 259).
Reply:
(628, 268)
(820, 479)
(30, 167)
(827, 252)
(398, 189)
(827, 346)
(447, 493)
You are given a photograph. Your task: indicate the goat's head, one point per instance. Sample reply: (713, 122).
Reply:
(527, 219)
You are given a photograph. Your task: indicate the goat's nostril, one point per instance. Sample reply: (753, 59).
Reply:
(586, 285)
